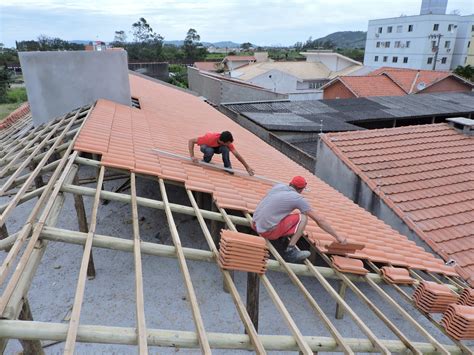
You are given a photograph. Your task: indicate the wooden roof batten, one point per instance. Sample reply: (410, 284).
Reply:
(26, 247)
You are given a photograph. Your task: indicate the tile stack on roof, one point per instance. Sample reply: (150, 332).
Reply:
(169, 118)
(425, 175)
(458, 322)
(396, 275)
(348, 265)
(363, 86)
(467, 297)
(244, 252)
(17, 114)
(431, 297)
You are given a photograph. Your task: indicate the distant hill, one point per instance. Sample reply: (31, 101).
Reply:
(346, 39)
(222, 44)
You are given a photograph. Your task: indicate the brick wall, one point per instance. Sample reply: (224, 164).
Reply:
(448, 84)
(337, 91)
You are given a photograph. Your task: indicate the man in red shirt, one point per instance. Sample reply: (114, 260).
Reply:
(217, 143)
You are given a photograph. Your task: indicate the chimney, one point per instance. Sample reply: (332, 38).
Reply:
(463, 125)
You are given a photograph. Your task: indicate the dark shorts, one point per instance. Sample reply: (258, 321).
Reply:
(286, 227)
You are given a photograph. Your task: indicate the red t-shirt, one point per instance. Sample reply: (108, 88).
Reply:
(210, 139)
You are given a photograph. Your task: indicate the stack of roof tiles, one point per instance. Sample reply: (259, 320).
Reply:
(168, 118)
(431, 297)
(396, 275)
(425, 175)
(348, 265)
(20, 112)
(467, 297)
(244, 252)
(458, 321)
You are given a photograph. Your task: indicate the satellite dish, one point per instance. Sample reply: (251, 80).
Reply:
(421, 86)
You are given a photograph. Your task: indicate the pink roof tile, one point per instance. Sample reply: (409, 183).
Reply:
(426, 175)
(363, 86)
(126, 136)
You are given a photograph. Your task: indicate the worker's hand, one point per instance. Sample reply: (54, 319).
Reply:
(342, 240)
(195, 160)
(250, 171)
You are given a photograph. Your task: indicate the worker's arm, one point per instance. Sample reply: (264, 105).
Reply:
(244, 163)
(325, 226)
(191, 144)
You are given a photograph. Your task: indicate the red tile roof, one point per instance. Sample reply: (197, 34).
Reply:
(19, 113)
(409, 79)
(426, 175)
(207, 66)
(125, 137)
(363, 86)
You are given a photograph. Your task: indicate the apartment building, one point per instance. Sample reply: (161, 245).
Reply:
(431, 40)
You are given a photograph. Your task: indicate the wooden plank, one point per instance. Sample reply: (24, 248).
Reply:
(203, 341)
(140, 304)
(302, 344)
(81, 283)
(253, 297)
(244, 316)
(342, 293)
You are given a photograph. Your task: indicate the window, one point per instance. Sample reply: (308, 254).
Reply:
(443, 60)
(433, 44)
(376, 58)
(468, 44)
(389, 29)
(407, 44)
(450, 27)
(410, 28)
(472, 28)
(379, 30)
(436, 27)
(405, 59)
(385, 58)
(399, 28)
(387, 44)
(430, 60)
(397, 44)
(394, 59)
(312, 85)
(377, 44)
(447, 44)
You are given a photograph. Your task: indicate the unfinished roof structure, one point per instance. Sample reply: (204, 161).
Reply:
(41, 175)
(425, 175)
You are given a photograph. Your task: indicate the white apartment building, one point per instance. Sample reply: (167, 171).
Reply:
(426, 41)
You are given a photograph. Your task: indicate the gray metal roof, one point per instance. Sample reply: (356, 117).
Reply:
(345, 114)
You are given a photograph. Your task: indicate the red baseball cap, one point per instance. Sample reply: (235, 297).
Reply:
(298, 182)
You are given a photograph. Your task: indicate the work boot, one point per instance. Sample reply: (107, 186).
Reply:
(293, 255)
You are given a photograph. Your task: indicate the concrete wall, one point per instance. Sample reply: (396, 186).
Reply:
(334, 172)
(337, 91)
(218, 90)
(276, 80)
(306, 95)
(155, 70)
(58, 82)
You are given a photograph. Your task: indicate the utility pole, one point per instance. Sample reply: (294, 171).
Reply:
(438, 36)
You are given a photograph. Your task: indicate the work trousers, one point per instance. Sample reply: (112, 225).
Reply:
(210, 151)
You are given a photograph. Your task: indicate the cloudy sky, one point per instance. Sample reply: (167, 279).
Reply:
(262, 22)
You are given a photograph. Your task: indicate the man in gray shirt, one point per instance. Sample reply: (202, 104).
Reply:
(273, 219)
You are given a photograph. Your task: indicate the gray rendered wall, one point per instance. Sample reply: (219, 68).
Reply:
(58, 82)
(334, 172)
(155, 70)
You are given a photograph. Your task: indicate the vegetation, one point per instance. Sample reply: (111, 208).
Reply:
(466, 72)
(178, 75)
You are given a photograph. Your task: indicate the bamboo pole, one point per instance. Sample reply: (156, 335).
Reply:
(302, 344)
(172, 338)
(244, 316)
(29, 346)
(203, 341)
(81, 284)
(139, 303)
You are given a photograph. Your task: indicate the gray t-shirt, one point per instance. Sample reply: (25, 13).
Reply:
(279, 202)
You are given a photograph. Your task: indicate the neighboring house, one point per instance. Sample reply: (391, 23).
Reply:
(431, 40)
(207, 66)
(294, 127)
(218, 88)
(395, 82)
(299, 79)
(418, 179)
(232, 62)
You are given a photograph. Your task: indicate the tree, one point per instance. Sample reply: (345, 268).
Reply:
(246, 46)
(466, 72)
(147, 44)
(120, 36)
(192, 48)
(142, 32)
(5, 77)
